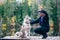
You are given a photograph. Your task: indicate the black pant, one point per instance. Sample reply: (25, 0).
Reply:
(41, 31)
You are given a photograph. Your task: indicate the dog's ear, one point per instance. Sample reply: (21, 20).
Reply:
(26, 16)
(29, 17)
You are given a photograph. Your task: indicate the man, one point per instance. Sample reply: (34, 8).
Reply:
(43, 20)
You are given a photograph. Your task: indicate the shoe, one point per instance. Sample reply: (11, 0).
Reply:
(45, 36)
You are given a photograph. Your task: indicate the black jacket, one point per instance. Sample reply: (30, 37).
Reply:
(44, 24)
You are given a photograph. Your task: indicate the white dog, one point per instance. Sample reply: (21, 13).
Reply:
(26, 27)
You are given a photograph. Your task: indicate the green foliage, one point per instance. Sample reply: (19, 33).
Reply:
(1, 10)
(24, 9)
(8, 10)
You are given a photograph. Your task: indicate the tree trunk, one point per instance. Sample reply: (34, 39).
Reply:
(55, 20)
(0, 27)
(58, 8)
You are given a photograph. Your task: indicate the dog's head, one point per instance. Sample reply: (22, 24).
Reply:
(27, 19)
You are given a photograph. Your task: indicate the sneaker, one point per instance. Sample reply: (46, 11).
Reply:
(45, 36)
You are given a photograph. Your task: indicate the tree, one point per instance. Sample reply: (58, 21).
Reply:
(1, 15)
(55, 18)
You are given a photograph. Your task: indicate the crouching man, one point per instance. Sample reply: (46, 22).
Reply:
(43, 20)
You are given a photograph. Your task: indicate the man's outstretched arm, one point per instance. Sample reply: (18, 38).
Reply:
(34, 22)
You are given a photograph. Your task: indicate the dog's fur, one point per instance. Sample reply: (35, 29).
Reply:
(26, 27)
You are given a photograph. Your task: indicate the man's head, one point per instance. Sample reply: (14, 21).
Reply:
(42, 13)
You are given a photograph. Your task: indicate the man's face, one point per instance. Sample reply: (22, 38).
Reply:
(41, 14)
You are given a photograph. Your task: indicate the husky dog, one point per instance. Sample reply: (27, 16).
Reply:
(26, 27)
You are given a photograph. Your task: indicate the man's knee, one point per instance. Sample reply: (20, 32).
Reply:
(37, 31)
